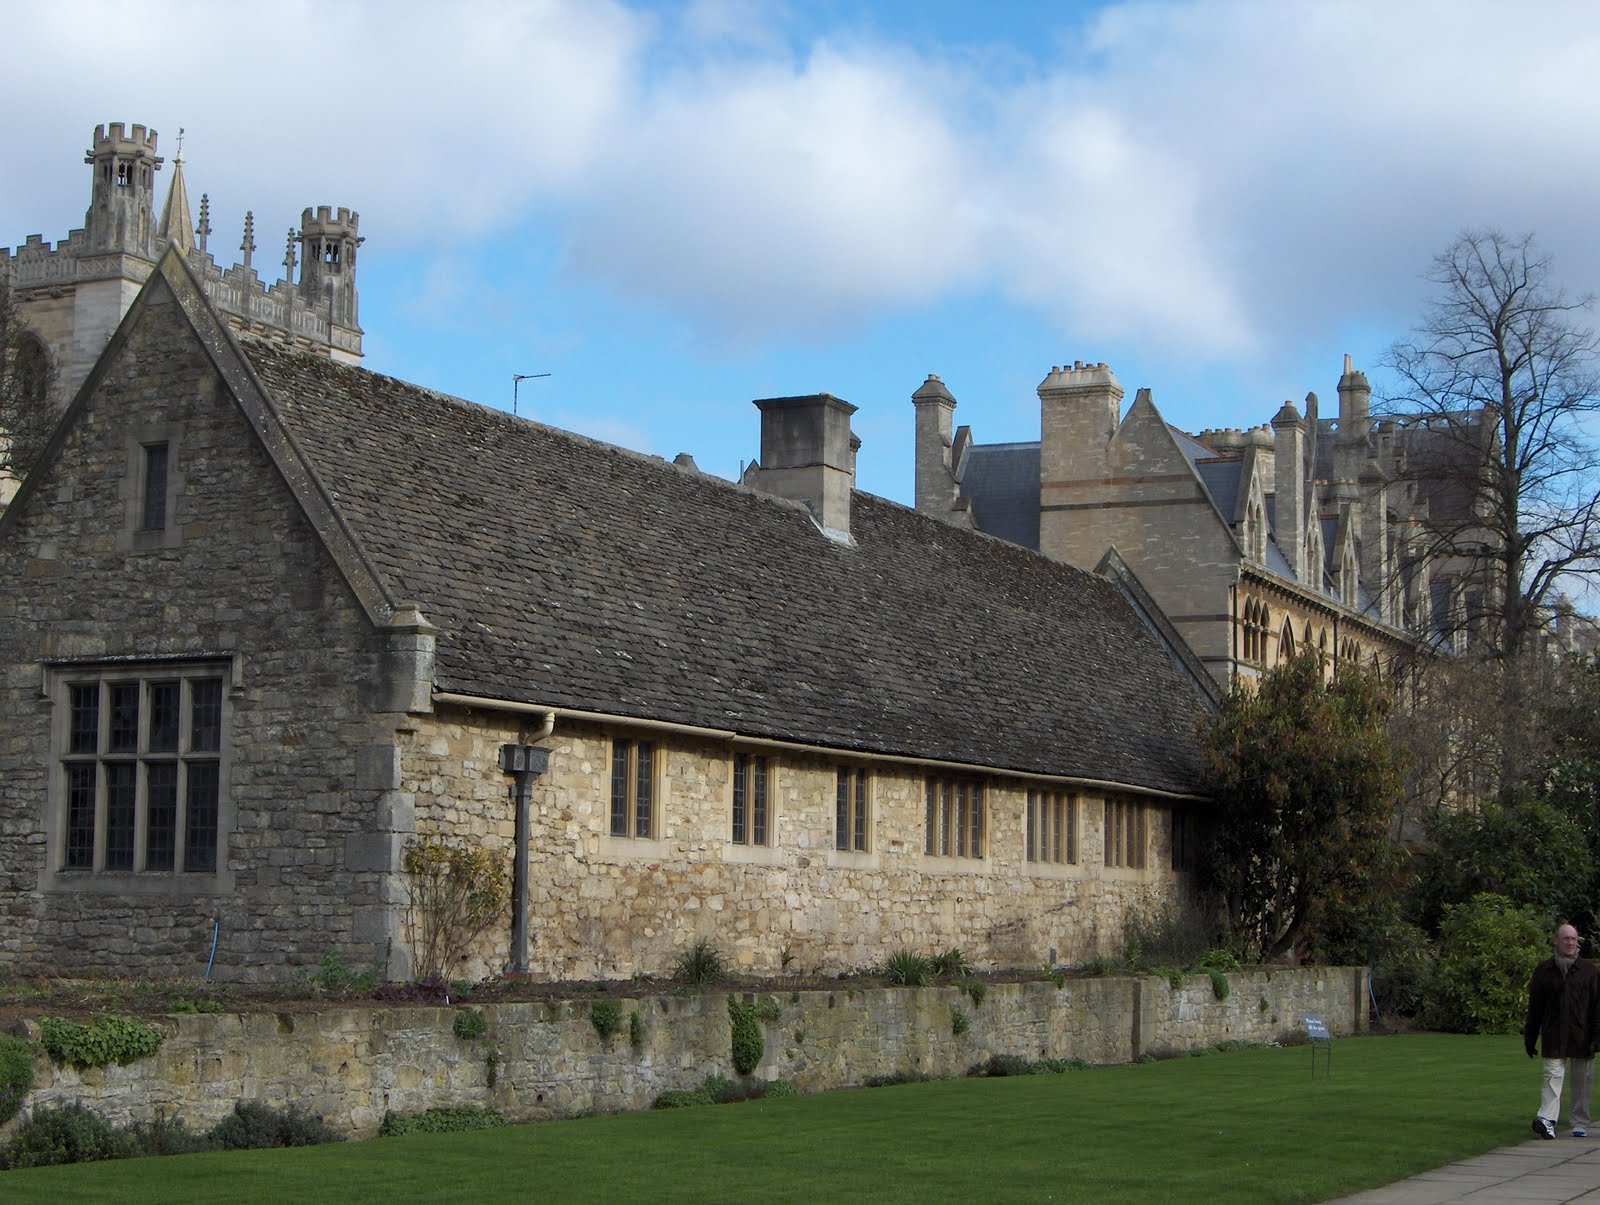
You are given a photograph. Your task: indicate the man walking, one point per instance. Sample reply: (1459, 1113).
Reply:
(1564, 1020)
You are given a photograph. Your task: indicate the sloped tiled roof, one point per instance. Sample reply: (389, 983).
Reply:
(1002, 483)
(571, 573)
(1222, 479)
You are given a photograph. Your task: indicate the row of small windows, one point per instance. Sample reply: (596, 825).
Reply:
(955, 818)
(1256, 628)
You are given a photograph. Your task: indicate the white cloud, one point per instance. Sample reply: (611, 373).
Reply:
(768, 198)
(1222, 176)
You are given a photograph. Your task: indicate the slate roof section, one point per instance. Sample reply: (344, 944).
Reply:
(567, 572)
(1221, 479)
(1002, 483)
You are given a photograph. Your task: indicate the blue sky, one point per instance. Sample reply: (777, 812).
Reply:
(674, 208)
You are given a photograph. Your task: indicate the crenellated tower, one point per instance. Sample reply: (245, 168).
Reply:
(122, 211)
(328, 242)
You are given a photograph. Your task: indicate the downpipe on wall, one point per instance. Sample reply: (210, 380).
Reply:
(524, 761)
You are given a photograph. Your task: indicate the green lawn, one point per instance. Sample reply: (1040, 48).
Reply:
(1252, 1125)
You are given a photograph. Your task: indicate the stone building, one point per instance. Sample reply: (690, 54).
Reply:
(72, 295)
(1305, 532)
(271, 616)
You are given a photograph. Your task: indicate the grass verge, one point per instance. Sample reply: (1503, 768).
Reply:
(1251, 1125)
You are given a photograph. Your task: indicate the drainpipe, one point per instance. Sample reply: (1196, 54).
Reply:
(524, 762)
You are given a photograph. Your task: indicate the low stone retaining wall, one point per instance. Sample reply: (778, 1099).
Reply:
(542, 1060)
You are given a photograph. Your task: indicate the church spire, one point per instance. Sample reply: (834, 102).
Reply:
(175, 221)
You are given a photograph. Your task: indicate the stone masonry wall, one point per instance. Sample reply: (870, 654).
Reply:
(545, 1060)
(605, 907)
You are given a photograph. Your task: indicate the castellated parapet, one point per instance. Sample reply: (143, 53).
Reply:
(73, 294)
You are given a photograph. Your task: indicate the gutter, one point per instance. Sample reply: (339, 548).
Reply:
(451, 698)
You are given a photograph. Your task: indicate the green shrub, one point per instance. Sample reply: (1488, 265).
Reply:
(950, 964)
(1218, 958)
(958, 1022)
(1003, 1064)
(252, 1126)
(16, 1074)
(1059, 978)
(1220, 987)
(1527, 851)
(1058, 1066)
(976, 990)
(636, 1030)
(700, 964)
(104, 1040)
(1400, 958)
(166, 1136)
(334, 979)
(908, 968)
(897, 1077)
(718, 1088)
(1172, 975)
(681, 1098)
(1487, 947)
(606, 1016)
(769, 1010)
(748, 1044)
(440, 1121)
(68, 1134)
(469, 1024)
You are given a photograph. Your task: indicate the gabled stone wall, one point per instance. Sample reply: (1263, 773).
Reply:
(238, 576)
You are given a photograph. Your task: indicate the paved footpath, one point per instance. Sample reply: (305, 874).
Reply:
(1537, 1171)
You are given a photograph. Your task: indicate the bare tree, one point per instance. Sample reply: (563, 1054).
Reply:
(1475, 729)
(1495, 391)
(27, 415)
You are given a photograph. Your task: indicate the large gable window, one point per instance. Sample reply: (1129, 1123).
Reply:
(141, 769)
(633, 788)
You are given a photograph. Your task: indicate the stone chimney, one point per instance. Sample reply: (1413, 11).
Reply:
(1355, 423)
(935, 472)
(808, 454)
(1080, 406)
(1290, 478)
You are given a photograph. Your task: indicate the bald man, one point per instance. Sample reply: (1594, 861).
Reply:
(1564, 1025)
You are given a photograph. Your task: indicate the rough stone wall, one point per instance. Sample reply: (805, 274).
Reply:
(540, 1061)
(240, 574)
(605, 907)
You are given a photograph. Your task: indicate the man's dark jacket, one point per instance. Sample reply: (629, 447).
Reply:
(1563, 1010)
